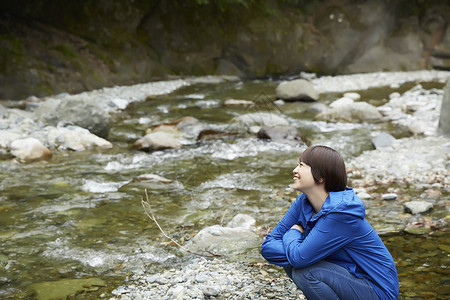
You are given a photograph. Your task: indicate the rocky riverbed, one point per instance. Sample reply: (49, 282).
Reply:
(87, 214)
(420, 162)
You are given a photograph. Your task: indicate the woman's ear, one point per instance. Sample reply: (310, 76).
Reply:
(321, 180)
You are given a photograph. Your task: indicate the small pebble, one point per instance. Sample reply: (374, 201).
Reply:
(389, 197)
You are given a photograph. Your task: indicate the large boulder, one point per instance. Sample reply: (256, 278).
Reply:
(30, 149)
(74, 138)
(444, 120)
(227, 240)
(355, 113)
(79, 112)
(298, 89)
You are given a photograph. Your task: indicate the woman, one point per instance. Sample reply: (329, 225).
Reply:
(324, 242)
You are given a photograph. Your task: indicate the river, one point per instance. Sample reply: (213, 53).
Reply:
(79, 215)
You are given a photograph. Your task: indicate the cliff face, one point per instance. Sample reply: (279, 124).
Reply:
(48, 47)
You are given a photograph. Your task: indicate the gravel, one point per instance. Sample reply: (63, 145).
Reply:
(203, 278)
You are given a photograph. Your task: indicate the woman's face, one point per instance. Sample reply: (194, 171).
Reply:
(303, 179)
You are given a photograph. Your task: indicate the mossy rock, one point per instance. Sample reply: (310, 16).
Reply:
(63, 288)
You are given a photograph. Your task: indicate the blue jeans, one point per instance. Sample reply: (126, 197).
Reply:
(325, 280)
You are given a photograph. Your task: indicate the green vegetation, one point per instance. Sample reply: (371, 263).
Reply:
(66, 50)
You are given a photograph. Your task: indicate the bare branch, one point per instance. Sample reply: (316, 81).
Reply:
(149, 212)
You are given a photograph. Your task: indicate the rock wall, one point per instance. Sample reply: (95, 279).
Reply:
(49, 47)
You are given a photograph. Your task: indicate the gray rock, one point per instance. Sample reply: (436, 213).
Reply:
(234, 102)
(202, 278)
(418, 207)
(157, 141)
(2, 111)
(389, 197)
(308, 76)
(261, 119)
(30, 149)
(222, 240)
(342, 102)
(444, 120)
(356, 112)
(364, 195)
(242, 221)
(119, 103)
(210, 291)
(79, 112)
(352, 95)
(7, 137)
(177, 292)
(279, 102)
(317, 108)
(383, 140)
(74, 138)
(279, 133)
(151, 279)
(120, 290)
(298, 89)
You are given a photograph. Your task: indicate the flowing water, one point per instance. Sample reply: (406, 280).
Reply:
(79, 215)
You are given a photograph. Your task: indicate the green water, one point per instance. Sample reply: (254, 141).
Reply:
(80, 215)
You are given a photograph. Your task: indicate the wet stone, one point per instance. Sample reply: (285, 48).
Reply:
(389, 197)
(418, 207)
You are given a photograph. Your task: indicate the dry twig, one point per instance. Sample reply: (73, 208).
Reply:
(149, 212)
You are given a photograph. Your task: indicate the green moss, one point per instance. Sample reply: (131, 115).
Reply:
(11, 45)
(66, 50)
(108, 60)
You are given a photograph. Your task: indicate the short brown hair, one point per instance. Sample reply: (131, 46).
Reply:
(327, 164)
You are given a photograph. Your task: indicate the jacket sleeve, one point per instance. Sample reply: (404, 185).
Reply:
(330, 233)
(272, 248)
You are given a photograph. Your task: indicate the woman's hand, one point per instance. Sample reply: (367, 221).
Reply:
(298, 227)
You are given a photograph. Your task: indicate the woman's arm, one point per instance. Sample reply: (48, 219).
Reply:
(330, 233)
(273, 249)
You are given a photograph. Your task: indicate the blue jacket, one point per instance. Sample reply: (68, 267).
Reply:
(338, 233)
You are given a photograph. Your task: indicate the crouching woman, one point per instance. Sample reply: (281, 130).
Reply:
(324, 243)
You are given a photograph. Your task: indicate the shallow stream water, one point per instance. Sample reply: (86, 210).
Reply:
(79, 215)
